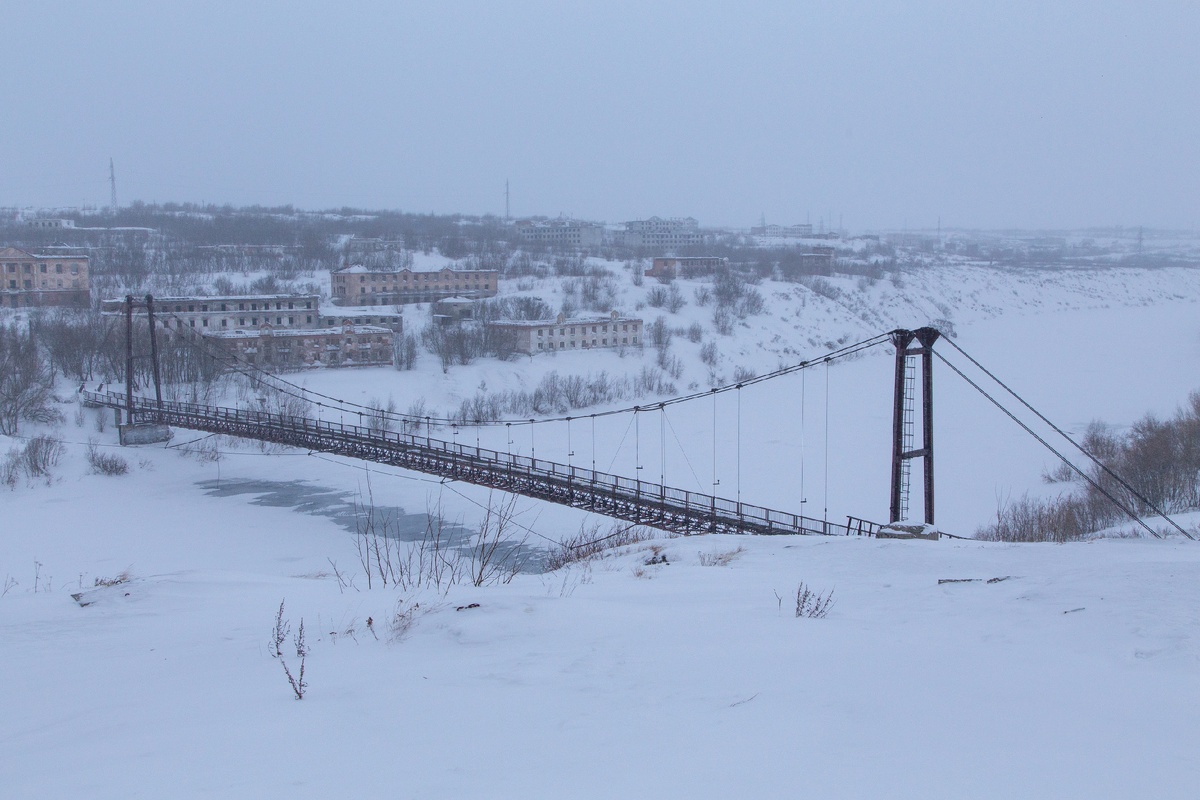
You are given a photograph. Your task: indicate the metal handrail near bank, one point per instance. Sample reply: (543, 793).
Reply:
(636, 501)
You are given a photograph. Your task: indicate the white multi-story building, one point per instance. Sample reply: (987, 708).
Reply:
(663, 234)
(801, 231)
(562, 232)
(574, 333)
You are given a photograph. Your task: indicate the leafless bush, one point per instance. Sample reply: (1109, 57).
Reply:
(11, 468)
(1159, 465)
(822, 287)
(279, 635)
(494, 558)
(812, 605)
(593, 540)
(723, 559)
(403, 619)
(741, 374)
(1064, 518)
(675, 301)
(703, 296)
(723, 321)
(381, 418)
(708, 353)
(105, 463)
(656, 297)
(695, 332)
(122, 577)
(40, 455)
(405, 351)
(430, 562)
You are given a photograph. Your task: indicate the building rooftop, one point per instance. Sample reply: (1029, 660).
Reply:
(254, 333)
(359, 268)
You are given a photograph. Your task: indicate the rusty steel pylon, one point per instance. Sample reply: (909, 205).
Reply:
(903, 422)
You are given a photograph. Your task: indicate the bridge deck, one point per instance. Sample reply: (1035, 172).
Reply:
(634, 501)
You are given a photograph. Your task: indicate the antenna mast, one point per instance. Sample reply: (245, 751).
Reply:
(112, 183)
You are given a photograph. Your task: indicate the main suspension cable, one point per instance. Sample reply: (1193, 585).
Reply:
(1064, 435)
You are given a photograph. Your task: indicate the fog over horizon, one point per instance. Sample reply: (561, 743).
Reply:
(878, 114)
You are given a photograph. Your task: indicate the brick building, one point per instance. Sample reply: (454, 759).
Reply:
(360, 286)
(339, 346)
(43, 279)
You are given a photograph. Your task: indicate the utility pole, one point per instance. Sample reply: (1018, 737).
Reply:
(112, 184)
(129, 359)
(154, 350)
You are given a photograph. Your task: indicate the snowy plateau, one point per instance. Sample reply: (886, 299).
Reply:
(666, 667)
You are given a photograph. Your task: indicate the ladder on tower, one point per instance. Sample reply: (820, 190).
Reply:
(908, 427)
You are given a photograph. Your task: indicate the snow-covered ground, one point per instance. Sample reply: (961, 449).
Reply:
(1073, 677)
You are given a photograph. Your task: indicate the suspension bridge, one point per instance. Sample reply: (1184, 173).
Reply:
(630, 499)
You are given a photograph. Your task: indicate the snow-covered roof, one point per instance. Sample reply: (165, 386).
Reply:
(296, 333)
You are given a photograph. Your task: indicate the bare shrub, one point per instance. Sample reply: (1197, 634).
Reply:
(708, 353)
(812, 605)
(656, 297)
(405, 351)
(675, 301)
(720, 559)
(593, 540)
(1060, 519)
(380, 417)
(40, 455)
(703, 296)
(122, 577)
(105, 463)
(695, 332)
(279, 635)
(403, 619)
(11, 468)
(494, 558)
(742, 374)
(723, 321)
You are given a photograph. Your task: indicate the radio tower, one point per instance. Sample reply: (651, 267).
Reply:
(112, 183)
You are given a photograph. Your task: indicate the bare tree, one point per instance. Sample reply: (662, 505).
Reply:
(26, 382)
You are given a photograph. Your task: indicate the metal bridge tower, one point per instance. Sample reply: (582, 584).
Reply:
(904, 419)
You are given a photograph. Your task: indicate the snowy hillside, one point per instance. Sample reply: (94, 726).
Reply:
(670, 667)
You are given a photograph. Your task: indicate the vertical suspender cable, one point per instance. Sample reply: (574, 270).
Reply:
(826, 517)
(803, 373)
(662, 445)
(637, 441)
(714, 442)
(739, 446)
(569, 451)
(593, 446)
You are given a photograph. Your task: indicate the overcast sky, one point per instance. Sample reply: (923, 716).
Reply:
(1005, 113)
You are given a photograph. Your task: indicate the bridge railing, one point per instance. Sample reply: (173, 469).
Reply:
(459, 459)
